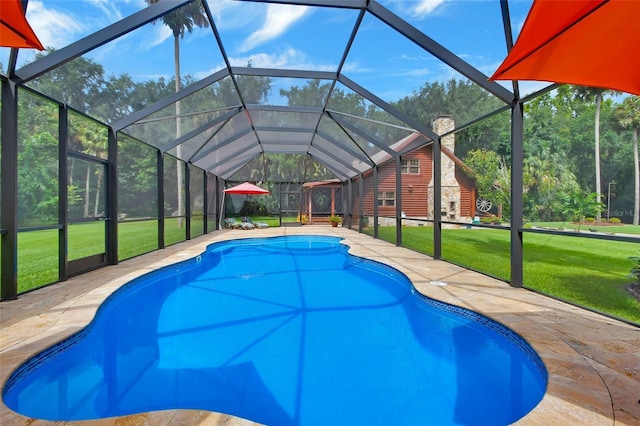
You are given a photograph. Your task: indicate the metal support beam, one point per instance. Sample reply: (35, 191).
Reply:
(285, 73)
(348, 210)
(205, 202)
(282, 108)
(187, 199)
(345, 4)
(160, 197)
(97, 39)
(345, 125)
(339, 174)
(337, 159)
(360, 202)
(9, 205)
(218, 208)
(359, 155)
(170, 100)
(517, 197)
(387, 107)
(398, 201)
(63, 192)
(439, 51)
(233, 154)
(344, 194)
(230, 170)
(375, 201)
(112, 198)
(508, 36)
(204, 152)
(195, 132)
(437, 198)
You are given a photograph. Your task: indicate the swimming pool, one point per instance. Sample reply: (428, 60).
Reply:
(283, 331)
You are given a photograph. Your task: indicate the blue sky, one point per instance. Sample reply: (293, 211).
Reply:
(292, 37)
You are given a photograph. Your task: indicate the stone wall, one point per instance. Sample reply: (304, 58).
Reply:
(450, 199)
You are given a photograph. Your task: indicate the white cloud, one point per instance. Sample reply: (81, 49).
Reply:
(354, 67)
(425, 7)
(109, 9)
(232, 15)
(285, 59)
(53, 28)
(277, 20)
(159, 35)
(418, 72)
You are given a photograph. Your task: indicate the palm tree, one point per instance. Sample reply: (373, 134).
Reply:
(628, 116)
(588, 93)
(181, 21)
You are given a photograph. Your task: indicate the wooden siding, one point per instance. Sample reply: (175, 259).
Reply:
(467, 194)
(415, 188)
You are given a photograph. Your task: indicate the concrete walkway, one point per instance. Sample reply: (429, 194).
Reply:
(593, 361)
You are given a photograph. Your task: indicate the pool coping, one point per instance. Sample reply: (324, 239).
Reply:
(593, 361)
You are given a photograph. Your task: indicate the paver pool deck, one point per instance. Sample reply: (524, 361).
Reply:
(593, 361)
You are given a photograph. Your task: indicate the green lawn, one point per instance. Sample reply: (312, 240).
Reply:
(38, 250)
(568, 226)
(589, 272)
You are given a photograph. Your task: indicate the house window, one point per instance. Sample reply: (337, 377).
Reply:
(386, 199)
(410, 166)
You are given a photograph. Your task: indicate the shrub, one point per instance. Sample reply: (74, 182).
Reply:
(253, 208)
(590, 220)
(335, 219)
(491, 220)
(615, 220)
(635, 270)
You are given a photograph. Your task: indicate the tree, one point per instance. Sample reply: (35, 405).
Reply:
(488, 171)
(628, 116)
(579, 204)
(180, 21)
(587, 93)
(547, 135)
(93, 140)
(78, 83)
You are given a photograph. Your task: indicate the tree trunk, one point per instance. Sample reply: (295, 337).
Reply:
(597, 153)
(179, 171)
(87, 186)
(98, 187)
(636, 165)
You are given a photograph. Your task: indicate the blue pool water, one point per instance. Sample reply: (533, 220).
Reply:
(284, 331)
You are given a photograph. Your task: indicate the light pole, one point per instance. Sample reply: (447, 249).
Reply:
(613, 182)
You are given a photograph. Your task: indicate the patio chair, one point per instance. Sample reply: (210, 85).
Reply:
(232, 223)
(259, 225)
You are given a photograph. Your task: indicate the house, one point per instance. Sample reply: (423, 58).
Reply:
(458, 201)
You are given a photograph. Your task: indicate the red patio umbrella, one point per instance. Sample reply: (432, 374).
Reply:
(583, 42)
(15, 31)
(243, 189)
(246, 189)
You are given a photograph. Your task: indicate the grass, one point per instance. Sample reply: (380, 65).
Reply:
(38, 250)
(589, 272)
(272, 221)
(569, 226)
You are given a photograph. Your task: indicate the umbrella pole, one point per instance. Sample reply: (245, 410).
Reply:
(221, 211)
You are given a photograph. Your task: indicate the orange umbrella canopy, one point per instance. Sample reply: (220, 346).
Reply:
(583, 42)
(246, 189)
(15, 31)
